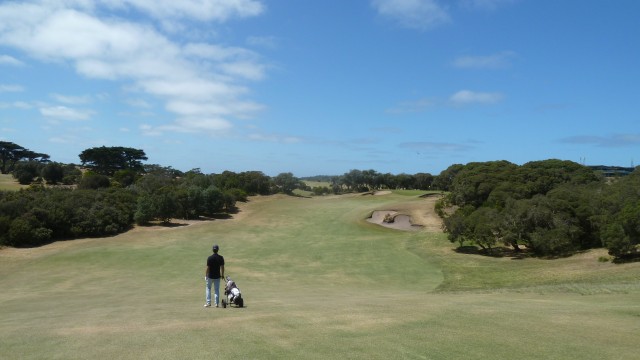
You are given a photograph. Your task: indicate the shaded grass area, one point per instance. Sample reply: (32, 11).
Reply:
(319, 282)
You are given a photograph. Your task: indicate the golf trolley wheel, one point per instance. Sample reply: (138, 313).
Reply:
(224, 304)
(240, 302)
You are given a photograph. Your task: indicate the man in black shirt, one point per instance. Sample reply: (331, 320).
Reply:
(215, 271)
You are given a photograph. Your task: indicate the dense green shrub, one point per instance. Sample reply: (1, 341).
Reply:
(36, 217)
(91, 180)
(53, 173)
(145, 210)
(26, 172)
(552, 207)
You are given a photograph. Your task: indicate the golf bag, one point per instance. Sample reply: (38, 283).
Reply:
(234, 296)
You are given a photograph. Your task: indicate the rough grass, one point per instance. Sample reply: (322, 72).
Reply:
(319, 282)
(313, 184)
(7, 182)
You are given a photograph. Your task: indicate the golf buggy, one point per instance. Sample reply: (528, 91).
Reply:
(234, 296)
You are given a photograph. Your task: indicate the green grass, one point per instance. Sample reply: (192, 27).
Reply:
(313, 184)
(320, 283)
(7, 182)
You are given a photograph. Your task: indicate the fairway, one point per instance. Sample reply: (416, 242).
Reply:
(7, 182)
(319, 282)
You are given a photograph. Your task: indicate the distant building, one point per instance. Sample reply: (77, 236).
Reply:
(612, 171)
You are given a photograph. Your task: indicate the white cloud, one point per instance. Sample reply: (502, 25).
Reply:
(493, 61)
(72, 100)
(138, 103)
(149, 130)
(22, 105)
(485, 4)
(195, 108)
(17, 105)
(10, 88)
(211, 77)
(200, 81)
(65, 113)
(203, 10)
(427, 14)
(216, 52)
(417, 14)
(467, 97)
(10, 60)
(232, 61)
(189, 125)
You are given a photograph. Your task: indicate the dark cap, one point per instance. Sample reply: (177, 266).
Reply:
(216, 247)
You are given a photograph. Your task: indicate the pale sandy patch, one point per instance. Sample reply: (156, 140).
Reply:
(410, 216)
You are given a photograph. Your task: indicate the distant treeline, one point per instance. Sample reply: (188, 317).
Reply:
(551, 207)
(368, 180)
(111, 190)
(100, 205)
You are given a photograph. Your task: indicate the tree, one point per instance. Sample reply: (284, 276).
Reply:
(165, 205)
(72, 174)
(405, 181)
(94, 181)
(153, 183)
(213, 201)
(27, 231)
(286, 182)
(5, 225)
(553, 207)
(53, 173)
(622, 235)
(540, 177)
(456, 229)
(475, 181)
(26, 171)
(553, 228)
(361, 180)
(444, 180)
(125, 177)
(11, 153)
(145, 210)
(161, 170)
(514, 225)
(254, 182)
(107, 160)
(484, 227)
(8, 152)
(423, 181)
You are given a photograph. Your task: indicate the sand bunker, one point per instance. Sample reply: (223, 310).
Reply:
(393, 219)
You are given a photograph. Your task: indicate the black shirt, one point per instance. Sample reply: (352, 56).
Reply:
(214, 262)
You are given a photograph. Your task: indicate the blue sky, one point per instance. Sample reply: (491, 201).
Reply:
(323, 87)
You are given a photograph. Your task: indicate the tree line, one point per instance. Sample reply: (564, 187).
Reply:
(551, 208)
(111, 193)
(111, 190)
(371, 180)
(100, 205)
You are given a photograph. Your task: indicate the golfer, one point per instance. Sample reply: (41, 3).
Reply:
(214, 272)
